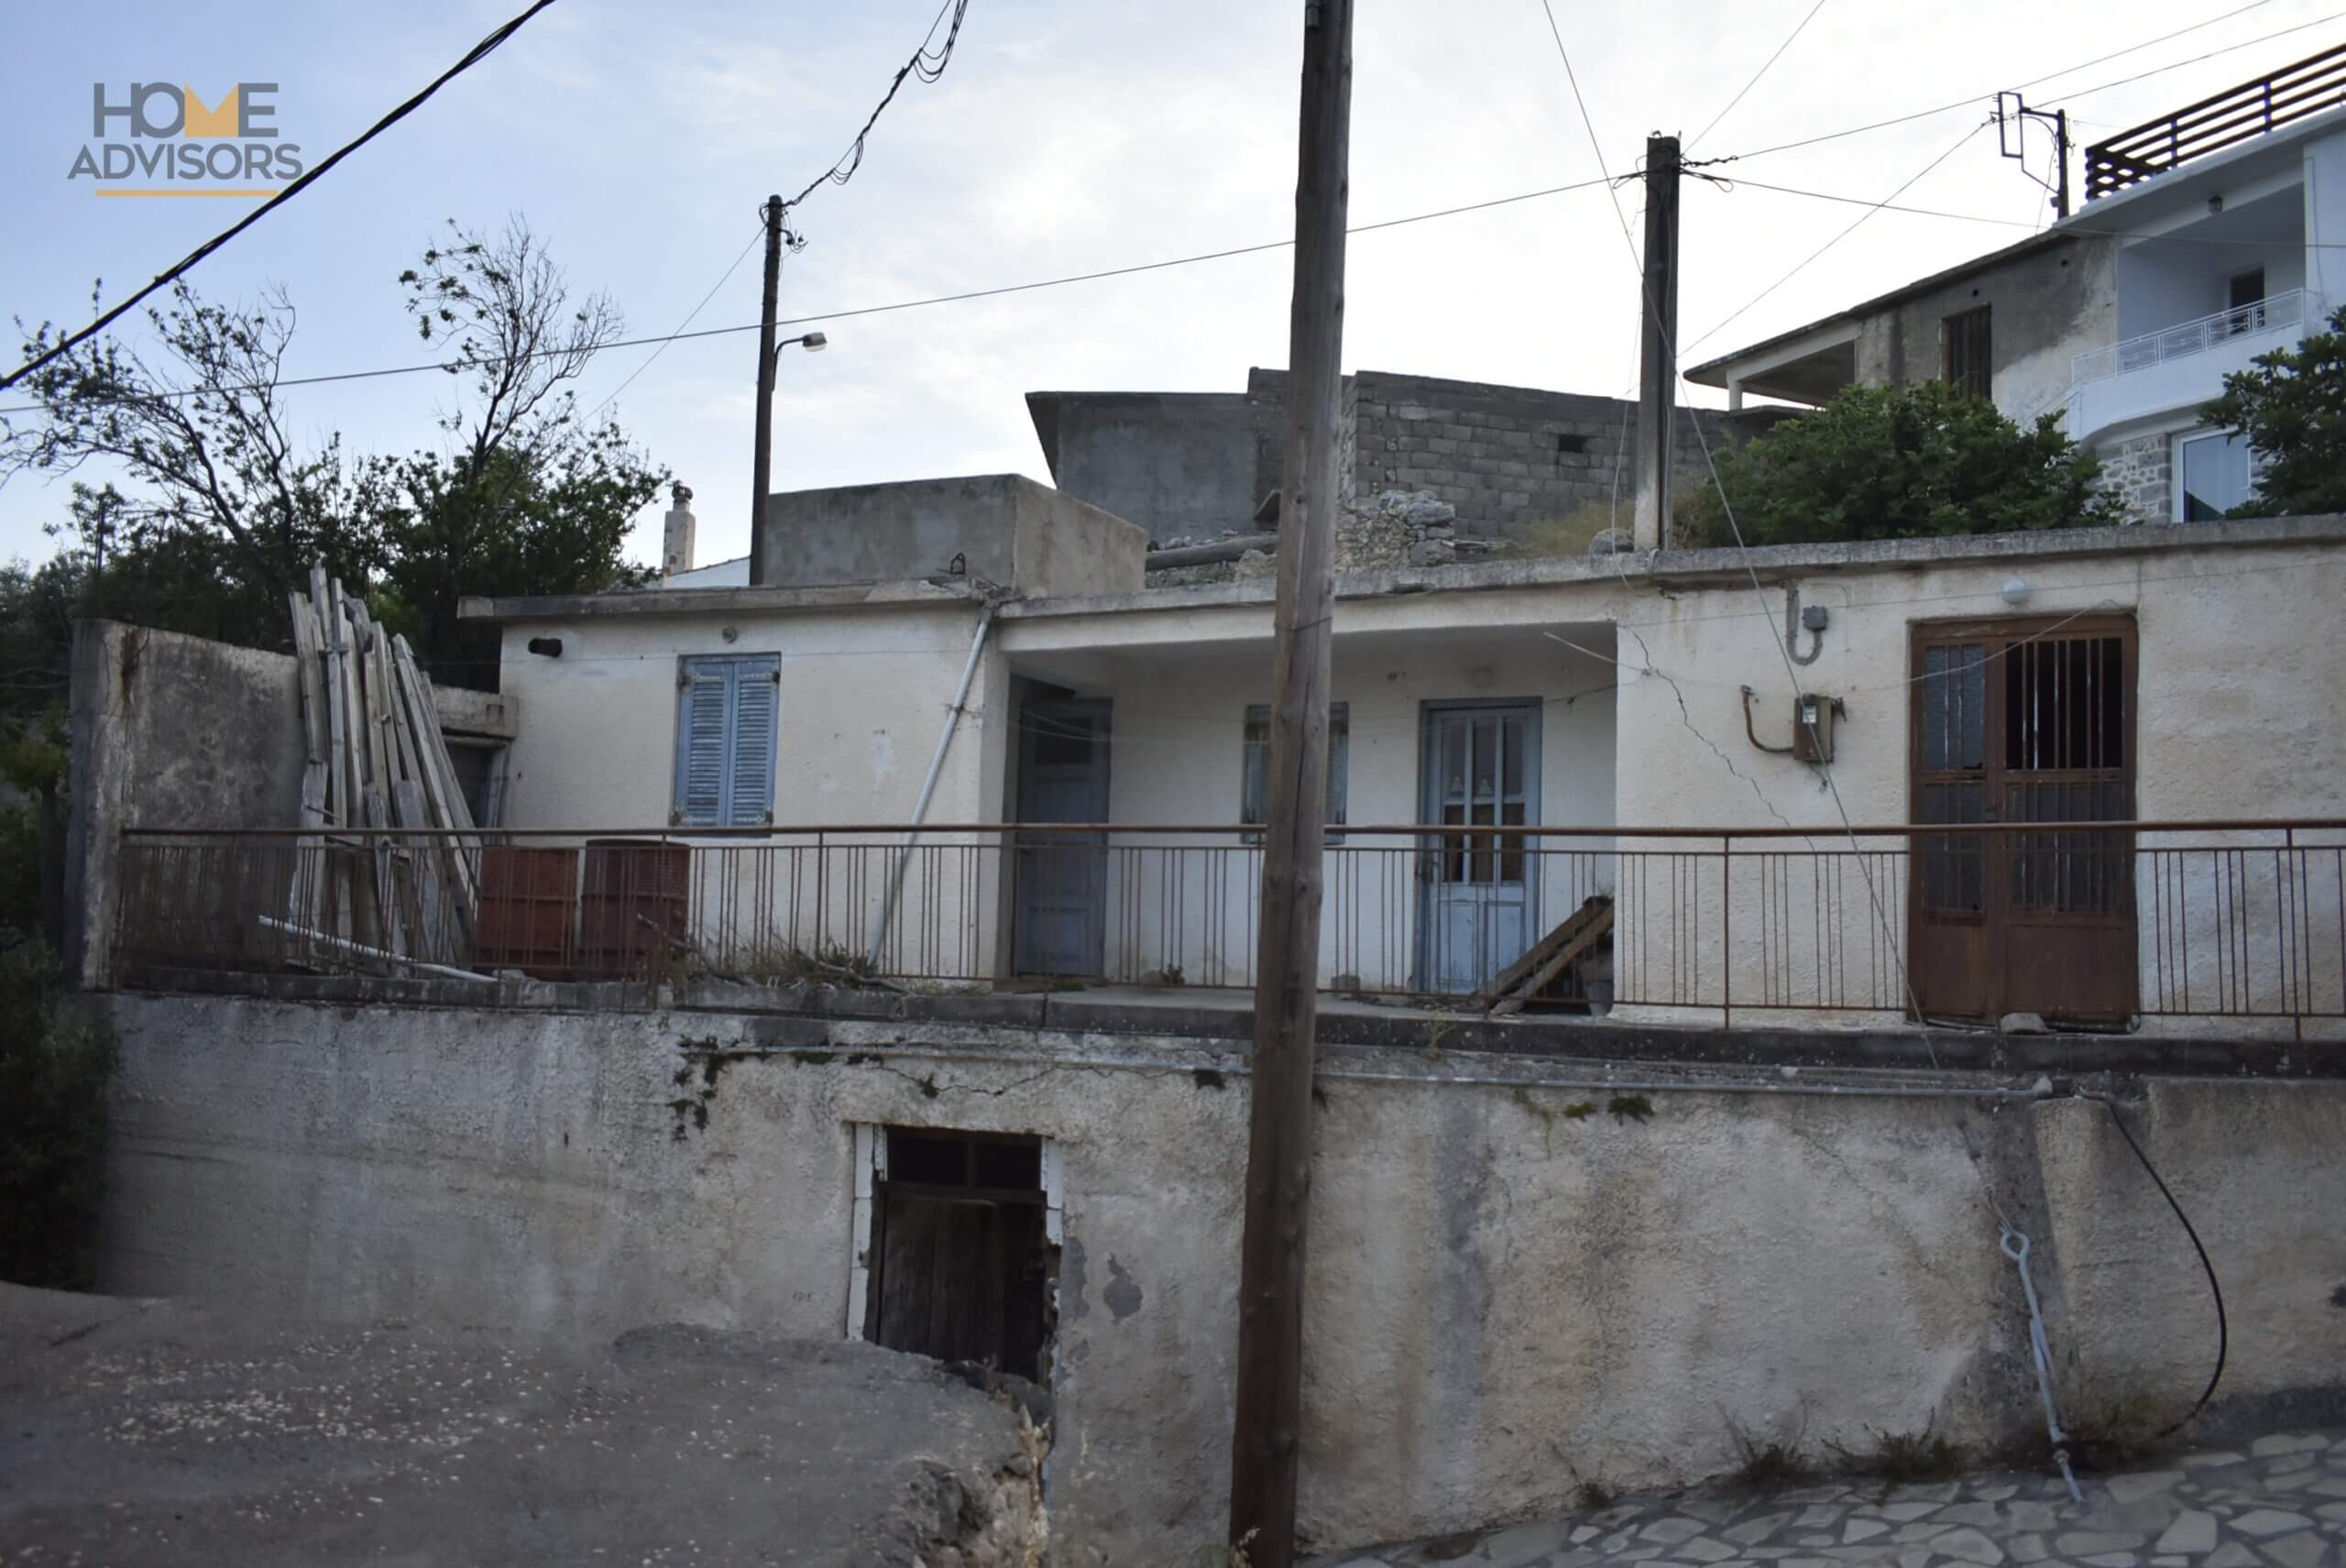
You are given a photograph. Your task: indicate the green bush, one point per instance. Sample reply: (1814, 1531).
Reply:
(2291, 404)
(1901, 463)
(54, 1068)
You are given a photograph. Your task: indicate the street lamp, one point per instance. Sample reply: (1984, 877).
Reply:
(769, 366)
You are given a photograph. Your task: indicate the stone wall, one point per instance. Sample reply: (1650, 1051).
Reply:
(1527, 1273)
(2141, 472)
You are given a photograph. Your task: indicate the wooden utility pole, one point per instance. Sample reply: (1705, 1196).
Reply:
(1658, 360)
(1265, 1445)
(762, 450)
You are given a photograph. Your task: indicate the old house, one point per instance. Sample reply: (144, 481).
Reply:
(2207, 236)
(1724, 951)
(863, 953)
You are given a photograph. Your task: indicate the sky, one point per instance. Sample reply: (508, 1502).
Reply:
(638, 141)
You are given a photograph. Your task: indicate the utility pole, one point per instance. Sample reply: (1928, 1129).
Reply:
(1658, 360)
(762, 451)
(1265, 1446)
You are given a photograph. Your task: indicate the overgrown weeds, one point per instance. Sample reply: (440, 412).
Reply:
(1770, 1463)
(1904, 1458)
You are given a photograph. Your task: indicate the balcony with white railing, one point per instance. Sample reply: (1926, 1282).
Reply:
(2178, 367)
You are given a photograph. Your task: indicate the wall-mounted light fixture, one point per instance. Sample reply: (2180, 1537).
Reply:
(2016, 591)
(546, 647)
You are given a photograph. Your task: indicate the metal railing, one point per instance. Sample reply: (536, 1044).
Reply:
(2312, 86)
(2185, 339)
(2236, 919)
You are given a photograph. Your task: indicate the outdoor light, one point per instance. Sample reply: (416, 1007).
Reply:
(2016, 591)
(813, 342)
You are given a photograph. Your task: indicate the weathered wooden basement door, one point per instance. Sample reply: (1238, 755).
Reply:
(2020, 721)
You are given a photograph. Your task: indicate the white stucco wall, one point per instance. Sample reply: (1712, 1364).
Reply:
(2239, 702)
(1507, 1297)
(864, 696)
(1178, 739)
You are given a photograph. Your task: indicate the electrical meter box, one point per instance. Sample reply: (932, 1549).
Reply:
(1812, 718)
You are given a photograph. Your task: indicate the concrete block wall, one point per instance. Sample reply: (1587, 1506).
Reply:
(1509, 458)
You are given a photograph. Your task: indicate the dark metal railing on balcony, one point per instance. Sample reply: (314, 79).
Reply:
(2092, 922)
(2312, 86)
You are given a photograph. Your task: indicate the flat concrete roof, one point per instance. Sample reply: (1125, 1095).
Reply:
(1776, 561)
(714, 601)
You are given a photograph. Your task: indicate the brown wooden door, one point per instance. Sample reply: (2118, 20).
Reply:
(2020, 721)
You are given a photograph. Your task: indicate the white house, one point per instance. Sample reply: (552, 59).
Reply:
(955, 737)
(2208, 236)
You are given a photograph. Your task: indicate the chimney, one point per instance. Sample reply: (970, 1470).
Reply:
(676, 541)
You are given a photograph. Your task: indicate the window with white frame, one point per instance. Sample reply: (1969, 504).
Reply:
(2213, 473)
(1255, 770)
(727, 711)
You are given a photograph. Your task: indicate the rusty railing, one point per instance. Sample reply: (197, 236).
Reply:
(2092, 922)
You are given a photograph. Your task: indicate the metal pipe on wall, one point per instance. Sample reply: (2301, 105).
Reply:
(929, 785)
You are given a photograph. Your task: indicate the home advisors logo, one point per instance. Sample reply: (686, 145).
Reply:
(195, 149)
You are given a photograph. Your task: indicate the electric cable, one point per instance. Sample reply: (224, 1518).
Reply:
(926, 64)
(661, 346)
(2068, 226)
(1975, 98)
(1872, 210)
(441, 367)
(2215, 1289)
(1710, 460)
(1772, 60)
(479, 53)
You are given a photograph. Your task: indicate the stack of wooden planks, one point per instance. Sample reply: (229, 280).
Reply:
(1549, 957)
(375, 759)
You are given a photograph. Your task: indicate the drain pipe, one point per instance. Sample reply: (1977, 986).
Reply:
(928, 786)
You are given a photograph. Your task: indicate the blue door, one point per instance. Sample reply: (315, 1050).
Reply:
(1477, 909)
(1062, 877)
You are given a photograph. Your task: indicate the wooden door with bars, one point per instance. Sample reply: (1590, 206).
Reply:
(2020, 721)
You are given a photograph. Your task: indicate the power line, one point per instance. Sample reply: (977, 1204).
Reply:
(479, 53)
(1772, 60)
(901, 305)
(1871, 209)
(1782, 645)
(2068, 226)
(926, 64)
(662, 347)
(2051, 75)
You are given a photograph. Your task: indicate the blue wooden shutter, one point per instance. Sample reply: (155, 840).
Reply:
(701, 725)
(749, 794)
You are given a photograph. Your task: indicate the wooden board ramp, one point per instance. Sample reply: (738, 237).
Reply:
(373, 757)
(1571, 941)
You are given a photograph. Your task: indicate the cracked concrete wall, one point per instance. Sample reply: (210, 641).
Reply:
(1513, 1289)
(2239, 713)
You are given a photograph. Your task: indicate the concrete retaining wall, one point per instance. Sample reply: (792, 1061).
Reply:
(1509, 1295)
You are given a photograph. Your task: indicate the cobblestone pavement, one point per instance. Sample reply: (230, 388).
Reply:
(2279, 1502)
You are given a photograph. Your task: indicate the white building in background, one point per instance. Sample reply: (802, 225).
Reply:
(2206, 239)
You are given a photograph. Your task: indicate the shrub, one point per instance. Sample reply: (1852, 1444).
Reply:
(1902, 462)
(2291, 404)
(54, 1068)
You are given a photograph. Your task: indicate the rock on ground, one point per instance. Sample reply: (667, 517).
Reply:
(153, 1432)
